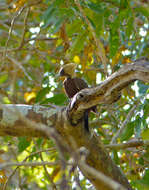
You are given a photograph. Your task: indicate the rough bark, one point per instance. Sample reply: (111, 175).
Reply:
(68, 124)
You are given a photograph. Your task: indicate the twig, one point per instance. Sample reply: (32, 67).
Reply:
(47, 174)
(129, 115)
(76, 178)
(24, 28)
(23, 34)
(11, 28)
(14, 171)
(19, 65)
(6, 26)
(9, 164)
(16, 158)
(28, 40)
(100, 48)
(134, 143)
(4, 6)
(41, 39)
(18, 48)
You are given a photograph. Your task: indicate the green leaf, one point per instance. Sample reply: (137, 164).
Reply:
(3, 78)
(98, 20)
(74, 27)
(49, 17)
(143, 184)
(96, 7)
(58, 24)
(141, 161)
(55, 16)
(145, 134)
(146, 177)
(142, 88)
(129, 26)
(143, 10)
(114, 43)
(58, 3)
(124, 4)
(35, 62)
(145, 108)
(115, 157)
(115, 27)
(48, 12)
(39, 142)
(128, 132)
(67, 12)
(41, 94)
(23, 144)
(78, 43)
(57, 99)
(138, 122)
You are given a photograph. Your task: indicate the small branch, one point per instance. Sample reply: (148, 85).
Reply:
(14, 171)
(3, 7)
(77, 180)
(6, 26)
(19, 65)
(31, 164)
(19, 12)
(108, 181)
(124, 124)
(40, 39)
(18, 48)
(24, 28)
(26, 41)
(47, 174)
(11, 28)
(130, 144)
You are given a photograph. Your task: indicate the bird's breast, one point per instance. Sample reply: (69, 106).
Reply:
(70, 87)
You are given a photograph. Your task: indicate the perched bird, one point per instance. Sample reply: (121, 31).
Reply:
(72, 85)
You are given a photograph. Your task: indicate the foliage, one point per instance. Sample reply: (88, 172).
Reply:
(100, 37)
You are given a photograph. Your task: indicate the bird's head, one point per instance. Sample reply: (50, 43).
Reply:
(68, 70)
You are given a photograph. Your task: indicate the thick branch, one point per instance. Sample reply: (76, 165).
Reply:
(109, 90)
(13, 123)
(12, 119)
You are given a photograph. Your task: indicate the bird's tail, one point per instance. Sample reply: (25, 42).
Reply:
(86, 124)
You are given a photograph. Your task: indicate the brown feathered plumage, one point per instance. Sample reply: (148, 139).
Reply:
(72, 85)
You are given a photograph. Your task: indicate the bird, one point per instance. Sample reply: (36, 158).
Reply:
(73, 85)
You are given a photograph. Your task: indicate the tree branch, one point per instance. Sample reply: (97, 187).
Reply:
(30, 164)
(109, 91)
(130, 144)
(128, 117)
(41, 121)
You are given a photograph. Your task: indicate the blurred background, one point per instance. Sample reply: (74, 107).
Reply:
(36, 38)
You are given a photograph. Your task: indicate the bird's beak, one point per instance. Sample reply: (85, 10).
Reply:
(57, 75)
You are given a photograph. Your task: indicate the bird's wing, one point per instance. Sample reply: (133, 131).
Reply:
(80, 83)
(74, 85)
